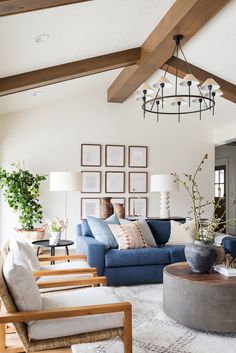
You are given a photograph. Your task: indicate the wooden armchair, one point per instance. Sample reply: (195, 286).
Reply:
(19, 318)
(72, 271)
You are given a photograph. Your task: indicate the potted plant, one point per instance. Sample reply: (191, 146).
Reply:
(202, 254)
(21, 192)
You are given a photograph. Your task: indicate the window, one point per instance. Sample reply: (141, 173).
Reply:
(220, 181)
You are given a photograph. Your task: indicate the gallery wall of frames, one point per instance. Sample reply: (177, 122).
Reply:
(115, 171)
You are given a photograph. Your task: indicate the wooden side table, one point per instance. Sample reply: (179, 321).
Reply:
(45, 244)
(200, 301)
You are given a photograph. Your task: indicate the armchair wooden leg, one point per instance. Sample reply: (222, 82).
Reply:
(127, 336)
(3, 345)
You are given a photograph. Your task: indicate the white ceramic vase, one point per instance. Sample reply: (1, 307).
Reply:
(55, 237)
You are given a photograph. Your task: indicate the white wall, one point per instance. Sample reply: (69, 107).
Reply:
(49, 139)
(226, 155)
(225, 134)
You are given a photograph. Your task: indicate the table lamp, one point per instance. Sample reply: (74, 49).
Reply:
(65, 181)
(164, 183)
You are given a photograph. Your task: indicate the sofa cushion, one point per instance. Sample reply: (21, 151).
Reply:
(54, 328)
(128, 236)
(136, 257)
(85, 229)
(145, 229)
(102, 232)
(181, 233)
(160, 230)
(25, 250)
(176, 252)
(21, 283)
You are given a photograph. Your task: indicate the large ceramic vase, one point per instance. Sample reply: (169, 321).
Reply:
(119, 210)
(106, 208)
(200, 256)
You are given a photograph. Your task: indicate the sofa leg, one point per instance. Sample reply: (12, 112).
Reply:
(127, 335)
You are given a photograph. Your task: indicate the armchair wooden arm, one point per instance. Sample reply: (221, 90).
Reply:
(65, 312)
(68, 271)
(79, 282)
(63, 257)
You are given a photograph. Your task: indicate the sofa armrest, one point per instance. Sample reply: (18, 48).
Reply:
(94, 250)
(229, 244)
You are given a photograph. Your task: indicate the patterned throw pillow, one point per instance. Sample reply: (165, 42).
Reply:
(128, 236)
(181, 233)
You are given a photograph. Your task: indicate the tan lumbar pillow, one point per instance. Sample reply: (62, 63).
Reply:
(181, 233)
(128, 236)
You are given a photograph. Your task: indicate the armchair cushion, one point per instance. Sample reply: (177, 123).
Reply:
(46, 329)
(21, 283)
(63, 266)
(25, 250)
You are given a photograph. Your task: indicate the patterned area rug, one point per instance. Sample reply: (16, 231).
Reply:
(153, 331)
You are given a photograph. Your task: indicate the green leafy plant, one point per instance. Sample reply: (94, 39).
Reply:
(205, 230)
(21, 192)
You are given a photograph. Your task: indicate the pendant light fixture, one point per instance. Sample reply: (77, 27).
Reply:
(195, 100)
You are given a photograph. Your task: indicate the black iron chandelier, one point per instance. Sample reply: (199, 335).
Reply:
(179, 103)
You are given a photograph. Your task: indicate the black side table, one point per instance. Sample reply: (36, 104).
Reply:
(45, 244)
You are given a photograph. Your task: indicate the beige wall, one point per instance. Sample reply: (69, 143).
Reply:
(49, 139)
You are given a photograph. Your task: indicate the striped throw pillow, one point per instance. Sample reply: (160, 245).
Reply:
(181, 233)
(128, 236)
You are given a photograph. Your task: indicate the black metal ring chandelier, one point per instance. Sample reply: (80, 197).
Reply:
(160, 104)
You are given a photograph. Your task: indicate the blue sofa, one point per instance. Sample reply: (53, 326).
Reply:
(135, 266)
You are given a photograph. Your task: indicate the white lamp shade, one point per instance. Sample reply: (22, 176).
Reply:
(164, 80)
(65, 181)
(189, 78)
(178, 100)
(145, 87)
(210, 82)
(163, 182)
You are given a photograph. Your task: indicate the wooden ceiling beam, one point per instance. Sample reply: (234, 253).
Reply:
(69, 71)
(13, 7)
(228, 88)
(185, 17)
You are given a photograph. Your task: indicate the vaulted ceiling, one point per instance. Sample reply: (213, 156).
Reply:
(112, 34)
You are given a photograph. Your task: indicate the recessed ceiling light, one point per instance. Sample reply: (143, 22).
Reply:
(37, 93)
(41, 38)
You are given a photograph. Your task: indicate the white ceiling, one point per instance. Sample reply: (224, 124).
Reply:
(99, 27)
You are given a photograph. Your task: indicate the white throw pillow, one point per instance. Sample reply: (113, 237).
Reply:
(181, 233)
(25, 250)
(146, 231)
(21, 283)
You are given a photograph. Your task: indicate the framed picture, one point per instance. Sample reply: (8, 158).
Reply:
(138, 182)
(115, 182)
(91, 155)
(138, 156)
(138, 206)
(90, 207)
(91, 182)
(115, 155)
